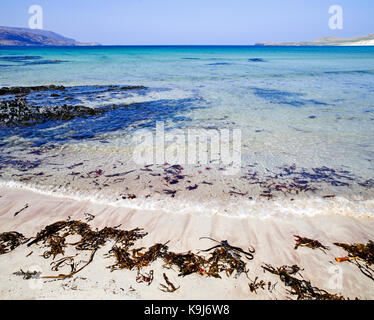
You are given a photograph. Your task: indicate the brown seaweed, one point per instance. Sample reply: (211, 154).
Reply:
(28, 274)
(301, 288)
(224, 259)
(11, 240)
(254, 285)
(187, 263)
(361, 255)
(226, 245)
(170, 286)
(147, 278)
(64, 276)
(53, 237)
(310, 243)
(19, 211)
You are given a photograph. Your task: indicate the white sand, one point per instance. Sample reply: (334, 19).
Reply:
(272, 238)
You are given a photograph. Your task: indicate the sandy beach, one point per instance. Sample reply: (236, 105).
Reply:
(248, 171)
(271, 238)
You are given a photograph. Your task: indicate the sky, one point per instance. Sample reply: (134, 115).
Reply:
(192, 22)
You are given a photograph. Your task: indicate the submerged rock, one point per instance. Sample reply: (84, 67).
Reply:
(27, 90)
(18, 112)
(256, 60)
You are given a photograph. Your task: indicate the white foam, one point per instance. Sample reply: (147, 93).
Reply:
(280, 208)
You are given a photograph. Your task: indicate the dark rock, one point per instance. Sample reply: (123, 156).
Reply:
(27, 90)
(256, 60)
(132, 87)
(18, 112)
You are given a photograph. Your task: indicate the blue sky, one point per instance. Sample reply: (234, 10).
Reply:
(207, 22)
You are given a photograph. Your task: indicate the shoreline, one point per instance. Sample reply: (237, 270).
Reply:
(272, 239)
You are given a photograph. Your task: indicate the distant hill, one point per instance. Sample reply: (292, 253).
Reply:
(327, 41)
(10, 36)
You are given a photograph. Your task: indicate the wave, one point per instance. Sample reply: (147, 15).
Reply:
(238, 208)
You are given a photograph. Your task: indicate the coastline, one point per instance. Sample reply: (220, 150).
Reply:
(306, 169)
(271, 238)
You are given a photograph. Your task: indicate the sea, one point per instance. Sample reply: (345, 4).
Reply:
(304, 117)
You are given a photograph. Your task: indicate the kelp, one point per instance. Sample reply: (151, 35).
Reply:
(310, 243)
(225, 258)
(19, 211)
(54, 238)
(28, 274)
(224, 244)
(138, 259)
(361, 255)
(187, 263)
(11, 240)
(301, 288)
(147, 278)
(222, 258)
(64, 276)
(170, 287)
(254, 285)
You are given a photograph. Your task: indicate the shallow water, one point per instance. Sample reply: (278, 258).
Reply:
(305, 108)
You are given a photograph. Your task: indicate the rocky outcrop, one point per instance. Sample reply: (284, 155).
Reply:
(27, 90)
(18, 112)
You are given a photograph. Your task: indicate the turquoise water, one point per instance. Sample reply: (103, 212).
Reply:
(309, 106)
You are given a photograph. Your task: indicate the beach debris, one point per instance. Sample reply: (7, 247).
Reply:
(254, 285)
(361, 251)
(221, 258)
(301, 288)
(119, 174)
(170, 192)
(53, 236)
(187, 263)
(310, 243)
(89, 217)
(66, 261)
(367, 184)
(28, 274)
(89, 239)
(170, 287)
(19, 211)
(128, 196)
(190, 188)
(65, 276)
(361, 255)
(290, 180)
(346, 259)
(226, 258)
(224, 244)
(147, 278)
(138, 259)
(11, 240)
